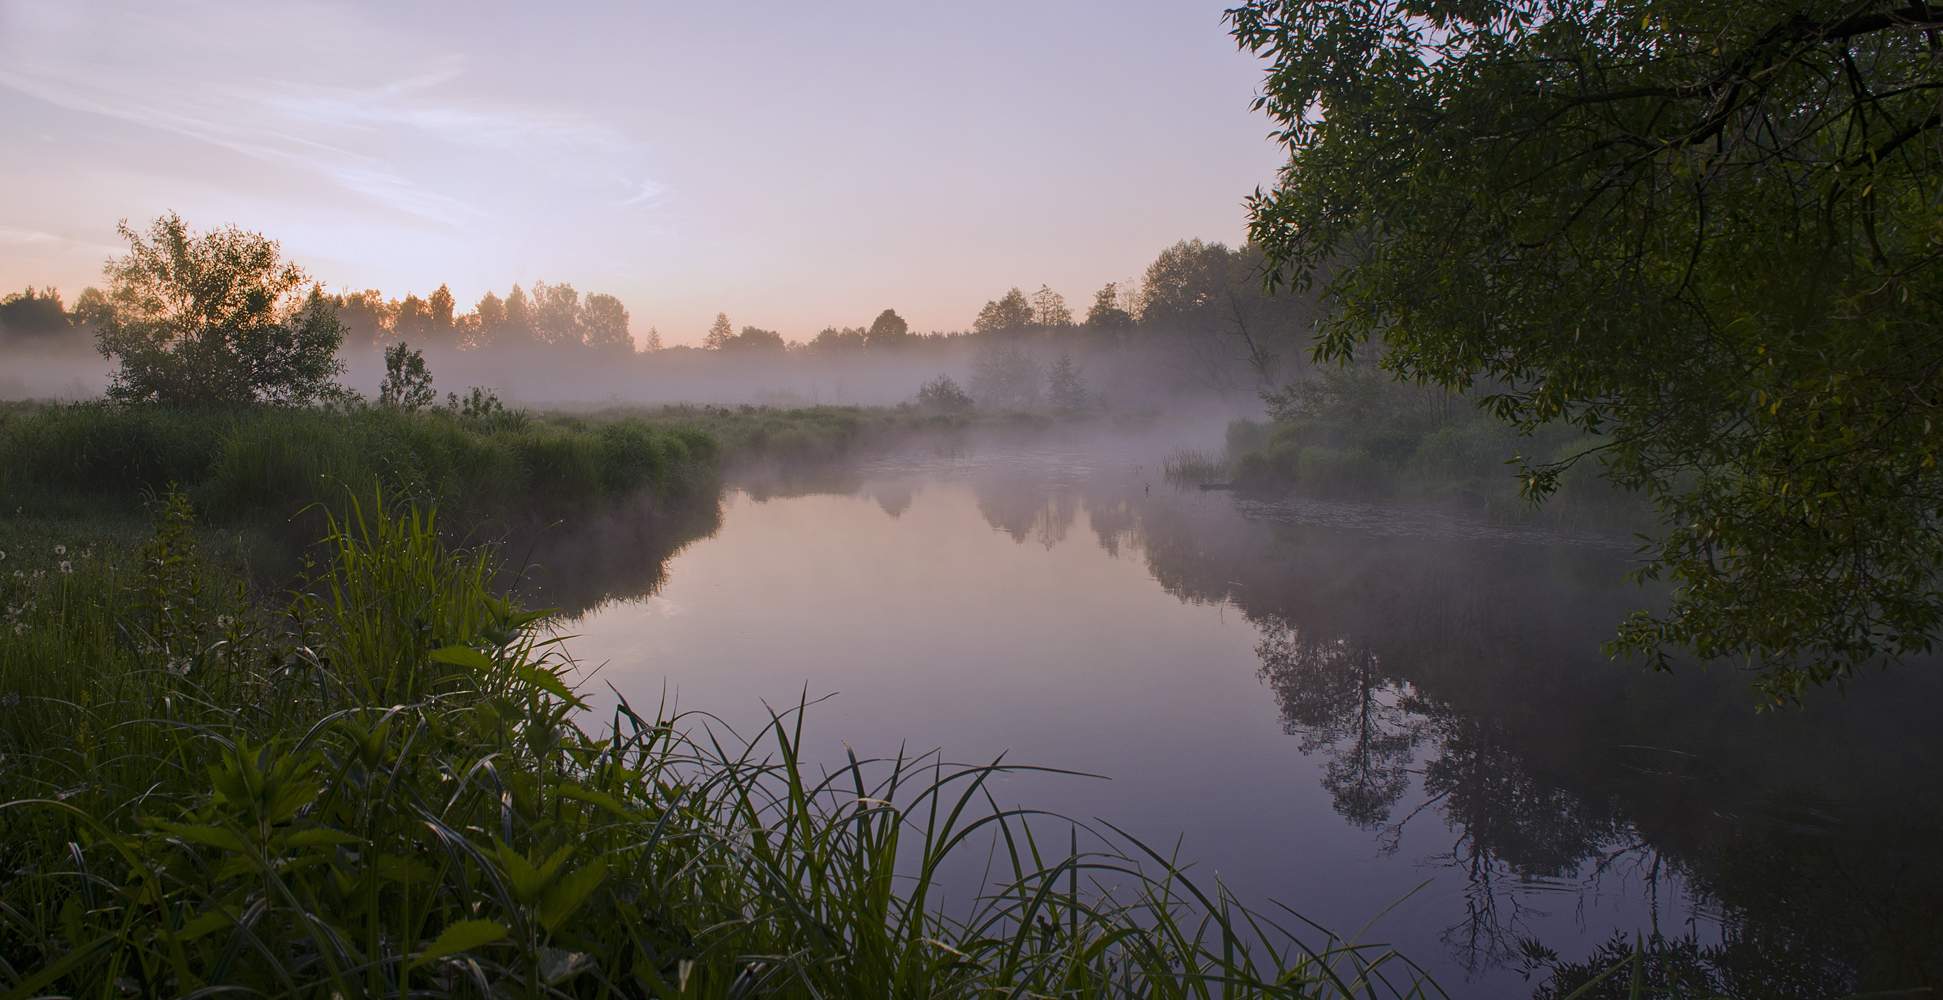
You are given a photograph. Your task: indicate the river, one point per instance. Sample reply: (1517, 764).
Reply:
(1395, 721)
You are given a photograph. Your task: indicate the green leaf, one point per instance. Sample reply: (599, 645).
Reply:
(520, 872)
(204, 924)
(462, 936)
(321, 837)
(546, 681)
(461, 656)
(566, 895)
(207, 836)
(596, 797)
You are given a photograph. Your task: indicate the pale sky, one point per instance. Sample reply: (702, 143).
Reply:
(797, 165)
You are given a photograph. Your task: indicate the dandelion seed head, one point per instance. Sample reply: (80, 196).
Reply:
(66, 567)
(60, 550)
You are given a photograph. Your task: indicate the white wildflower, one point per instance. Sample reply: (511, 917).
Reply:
(66, 567)
(60, 550)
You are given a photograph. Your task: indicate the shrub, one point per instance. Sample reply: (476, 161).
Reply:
(942, 395)
(407, 383)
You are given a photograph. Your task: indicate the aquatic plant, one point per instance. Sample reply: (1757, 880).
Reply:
(1190, 466)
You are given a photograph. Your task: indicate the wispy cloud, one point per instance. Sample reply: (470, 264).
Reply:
(21, 237)
(310, 93)
(647, 191)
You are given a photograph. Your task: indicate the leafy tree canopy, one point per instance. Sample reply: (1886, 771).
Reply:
(1049, 309)
(1706, 231)
(755, 338)
(1005, 314)
(1106, 313)
(720, 333)
(214, 318)
(407, 383)
(887, 330)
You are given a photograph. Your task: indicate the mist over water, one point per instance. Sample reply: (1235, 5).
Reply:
(1328, 703)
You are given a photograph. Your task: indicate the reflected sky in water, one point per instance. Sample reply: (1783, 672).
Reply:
(1329, 704)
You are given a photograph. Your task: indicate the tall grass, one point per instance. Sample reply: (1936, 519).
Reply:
(382, 786)
(1191, 466)
(238, 464)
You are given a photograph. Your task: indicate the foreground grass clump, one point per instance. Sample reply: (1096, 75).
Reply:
(240, 463)
(380, 787)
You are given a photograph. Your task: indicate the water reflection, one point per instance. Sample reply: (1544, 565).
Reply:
(1443, 675)
(614, 553)
(1335, 697)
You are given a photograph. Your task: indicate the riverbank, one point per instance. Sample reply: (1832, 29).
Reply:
(374, 786)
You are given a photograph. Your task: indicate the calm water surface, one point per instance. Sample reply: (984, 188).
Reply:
(1373, 714)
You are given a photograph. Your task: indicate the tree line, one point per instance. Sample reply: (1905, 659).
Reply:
(1191, 288)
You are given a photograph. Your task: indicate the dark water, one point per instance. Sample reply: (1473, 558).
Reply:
(1370, 713)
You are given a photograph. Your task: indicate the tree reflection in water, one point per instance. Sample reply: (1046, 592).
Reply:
(1451, 675)
(1335, 699)
(1465, 671)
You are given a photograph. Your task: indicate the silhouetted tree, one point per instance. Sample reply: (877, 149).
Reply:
(407, 383)
(887, 330)
(412, 319)
(517, 327)
(215, 317)
(367, 318)
(1186, 286)
(832, 339)
(1065, 387)
(756, 339)
(32, 313)
(720, 333)
(942, 395)
(605, 321)
(557, 315)
(1004, 376)
(490, 314)
(440, 304)
(1106, 313)
(1049, 309)
(1010, 312)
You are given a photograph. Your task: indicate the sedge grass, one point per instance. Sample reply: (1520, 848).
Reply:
(1191, 466)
